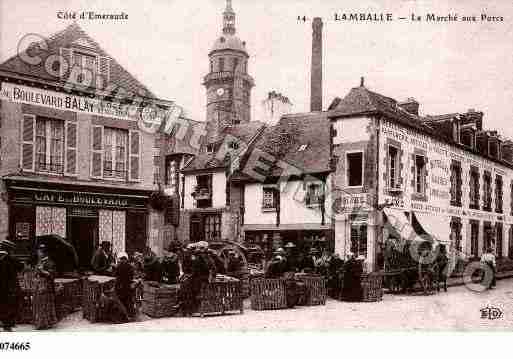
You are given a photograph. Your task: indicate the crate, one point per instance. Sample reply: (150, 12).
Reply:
(315, 289)
(372, 287)
(220, 297)
(68, 295)
(268, 294)
(160, 300)
(93, 287)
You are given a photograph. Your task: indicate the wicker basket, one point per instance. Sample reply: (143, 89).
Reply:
(93, 287)
(243, 276)
(268, 294)
(220, 297)
(68, 296)
(315, 289)
(372, 287)
(160, 300)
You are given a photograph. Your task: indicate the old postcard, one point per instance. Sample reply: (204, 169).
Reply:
(246, 166)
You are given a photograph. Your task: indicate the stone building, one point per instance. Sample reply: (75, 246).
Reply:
(74, 160)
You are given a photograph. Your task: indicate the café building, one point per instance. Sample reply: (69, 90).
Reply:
(74, 160)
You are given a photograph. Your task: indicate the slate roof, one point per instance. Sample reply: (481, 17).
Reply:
(243, 132)
(74, 36)
(285, 140)
(362, 101)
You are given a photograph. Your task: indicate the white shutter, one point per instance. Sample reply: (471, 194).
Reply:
(97, 152)
(28, 133)
(104, 67)
(134, 156)
(67, 54)
(70, 155)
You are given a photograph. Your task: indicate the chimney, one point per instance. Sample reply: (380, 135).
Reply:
(410, 105)
(316, 71)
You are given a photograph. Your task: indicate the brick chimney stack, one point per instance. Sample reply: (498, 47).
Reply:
(316, 71)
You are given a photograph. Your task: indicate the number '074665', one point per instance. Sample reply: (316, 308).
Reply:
(14, 346)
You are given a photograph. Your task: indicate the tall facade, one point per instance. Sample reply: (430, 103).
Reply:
(70, 166)
(228, 83)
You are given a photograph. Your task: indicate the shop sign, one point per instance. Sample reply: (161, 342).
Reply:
(80, 199)
(349, 203)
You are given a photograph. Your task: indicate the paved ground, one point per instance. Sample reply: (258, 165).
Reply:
(458, 309)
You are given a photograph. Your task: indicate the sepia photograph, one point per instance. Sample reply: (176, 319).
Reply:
(248, 166)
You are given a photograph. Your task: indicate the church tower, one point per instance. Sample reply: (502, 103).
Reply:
(228, 83)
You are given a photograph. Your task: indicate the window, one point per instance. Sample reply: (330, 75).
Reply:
(172, 176)
(211, 147)
(420, 174)
(456, 233)
(235, 64)
(467, 138)
(156, 169)
(49, 145)
(474, 233)
(203, 191)
(487, 235)
(487, 191)
(493, 148)
(359, 239)
(211, 66)
(212, 227)
(456, 184)
(115, 155)
(355, 169)
(393, 167)
(85, 62)
(498, 239)
(221, 64)
(270, 198)
(510, 242)
(474, 188)
(511, 198)
(498, 194)
(314, 194)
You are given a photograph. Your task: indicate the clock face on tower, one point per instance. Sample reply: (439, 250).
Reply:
(220, 91)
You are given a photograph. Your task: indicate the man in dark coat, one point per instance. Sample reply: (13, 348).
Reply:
(102, 260)
(308, 264)
(292, 260)
(9, 288)
(203, 271)
(124, 280)
(353, 270)
(170, 268)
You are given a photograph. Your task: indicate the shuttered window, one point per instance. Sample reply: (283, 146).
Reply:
(71, 148)
(97, 152)
(393, 167)
(28, 134)
(134, 156)
(474, 188)
(99, 66)
(456, 183)
(115, 153)
(498, 194)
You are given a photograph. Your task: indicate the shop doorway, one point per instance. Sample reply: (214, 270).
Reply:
(84, 236)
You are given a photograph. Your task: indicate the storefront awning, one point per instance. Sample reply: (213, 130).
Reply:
(400, 225)
(437, 226)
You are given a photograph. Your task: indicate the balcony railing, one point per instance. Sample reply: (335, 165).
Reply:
(50, 167)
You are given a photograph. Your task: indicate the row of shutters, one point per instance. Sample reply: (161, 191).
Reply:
(70, 149)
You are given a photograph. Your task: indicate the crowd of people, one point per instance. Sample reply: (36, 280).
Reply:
(340, 273)
(190, 266)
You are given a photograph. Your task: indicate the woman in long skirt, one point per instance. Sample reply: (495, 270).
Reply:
(44, 295)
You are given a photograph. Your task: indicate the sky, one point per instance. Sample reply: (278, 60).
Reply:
(447, 66)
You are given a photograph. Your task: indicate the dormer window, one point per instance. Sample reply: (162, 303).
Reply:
(87, 63)
(467, 137)
(302, 148)
(233, 145)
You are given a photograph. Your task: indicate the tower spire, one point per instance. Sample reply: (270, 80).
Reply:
(228, 19)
